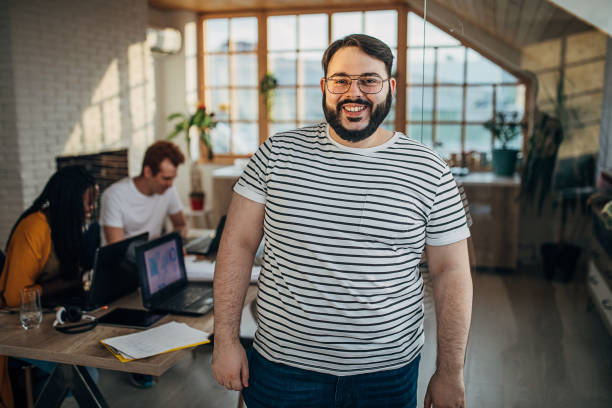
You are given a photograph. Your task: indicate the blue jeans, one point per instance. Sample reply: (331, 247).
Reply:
(274, 385)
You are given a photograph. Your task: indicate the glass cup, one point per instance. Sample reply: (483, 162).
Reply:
(30, 309)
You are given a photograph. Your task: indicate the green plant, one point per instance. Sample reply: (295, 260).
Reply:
(201, 119)
(267, 86)
(505, 127)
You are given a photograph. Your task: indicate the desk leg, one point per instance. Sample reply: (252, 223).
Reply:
(73, 378)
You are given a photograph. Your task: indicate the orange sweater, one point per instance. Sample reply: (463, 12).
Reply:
(26, 257)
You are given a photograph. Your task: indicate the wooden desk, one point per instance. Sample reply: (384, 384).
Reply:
(73, 352)
(494, 208)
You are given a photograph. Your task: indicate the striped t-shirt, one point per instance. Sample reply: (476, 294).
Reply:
(340, 291)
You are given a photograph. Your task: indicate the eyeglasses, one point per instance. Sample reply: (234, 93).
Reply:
(369, 84)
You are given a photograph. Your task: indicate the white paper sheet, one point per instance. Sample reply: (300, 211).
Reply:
(161, 339)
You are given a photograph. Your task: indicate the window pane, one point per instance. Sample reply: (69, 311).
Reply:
(313, 31)
(481, 70)
(382, 25)
(477, 138)
(281, 33)
(346, 23)
(415, 66)
(511, 99)
(283, 107)
(450, 99)
(217, 70)
(216, 35)
(414, 102)
(275, 128)
(246, 138)
(282, 65)
(479, 100)
(449, 140)
(245, 69)
(220, 136)
(421, 133)
(450, 65)
(244, 34)
(311, 71)
(247, 104)
(218, 100)
(433, 35)
(310, 105)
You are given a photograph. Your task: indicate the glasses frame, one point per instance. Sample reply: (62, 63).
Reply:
(355, 78)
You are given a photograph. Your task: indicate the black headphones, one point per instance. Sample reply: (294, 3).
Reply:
(73, 314)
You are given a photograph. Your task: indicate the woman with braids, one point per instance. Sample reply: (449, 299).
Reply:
(48, 247)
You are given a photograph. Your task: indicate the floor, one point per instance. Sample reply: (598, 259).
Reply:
(533, 343)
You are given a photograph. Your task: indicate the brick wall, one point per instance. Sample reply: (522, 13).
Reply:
(80, 77)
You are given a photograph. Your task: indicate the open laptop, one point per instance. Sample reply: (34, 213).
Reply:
(163, 279)
(114, 273)
(207, 244)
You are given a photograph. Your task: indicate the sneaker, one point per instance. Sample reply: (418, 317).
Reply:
(142, 380)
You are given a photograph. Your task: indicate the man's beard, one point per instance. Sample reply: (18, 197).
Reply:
(378, 114)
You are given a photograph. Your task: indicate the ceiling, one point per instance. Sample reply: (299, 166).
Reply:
(515, 22)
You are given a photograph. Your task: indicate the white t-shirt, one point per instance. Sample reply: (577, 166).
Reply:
(123, 206)
(340, 290)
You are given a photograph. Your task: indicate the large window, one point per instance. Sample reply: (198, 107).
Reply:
(451, 90)
(231, 83)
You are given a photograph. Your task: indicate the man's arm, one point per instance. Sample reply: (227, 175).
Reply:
(113, 234)
(452, 287)
(241, 237)
(179, 223)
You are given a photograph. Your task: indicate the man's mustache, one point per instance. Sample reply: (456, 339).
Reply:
(358, 100)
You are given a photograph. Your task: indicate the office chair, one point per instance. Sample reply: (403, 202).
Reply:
(2, 258)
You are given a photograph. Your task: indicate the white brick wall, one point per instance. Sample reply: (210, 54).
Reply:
(80, 81)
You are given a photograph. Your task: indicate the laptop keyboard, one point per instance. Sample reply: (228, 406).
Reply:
(188, 297)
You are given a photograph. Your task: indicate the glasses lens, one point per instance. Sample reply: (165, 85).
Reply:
(370, 84)
(339, 84)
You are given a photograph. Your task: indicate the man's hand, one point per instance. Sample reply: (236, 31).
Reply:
(230, 366)
(445, 391)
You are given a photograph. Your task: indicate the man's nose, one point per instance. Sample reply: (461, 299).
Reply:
(354, 89)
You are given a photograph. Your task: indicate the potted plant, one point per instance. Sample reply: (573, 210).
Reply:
(203, 122)
(505, 128)
(267, 86)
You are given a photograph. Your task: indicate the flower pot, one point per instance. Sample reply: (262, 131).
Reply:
(196, 200)
(504, 162)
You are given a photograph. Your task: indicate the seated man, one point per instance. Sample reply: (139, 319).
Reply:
(132, 206)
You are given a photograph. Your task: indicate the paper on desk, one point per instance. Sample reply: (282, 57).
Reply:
(162, 339)
(204, 270)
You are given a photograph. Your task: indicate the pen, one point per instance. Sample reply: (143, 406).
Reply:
(99, 309)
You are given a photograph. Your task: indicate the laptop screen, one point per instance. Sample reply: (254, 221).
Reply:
(163, 266)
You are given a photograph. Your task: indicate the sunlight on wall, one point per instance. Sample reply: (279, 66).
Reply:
(191, 65)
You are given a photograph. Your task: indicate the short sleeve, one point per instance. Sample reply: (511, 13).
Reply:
(252, 183)
(447, 223)
(110, 209)
(174, 203)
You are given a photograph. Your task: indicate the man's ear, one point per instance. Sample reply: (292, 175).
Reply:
(392, 85)
(323, 85)
(147, 172)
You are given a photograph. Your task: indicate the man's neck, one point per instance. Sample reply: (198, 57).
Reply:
(379, 137)
(142, 185)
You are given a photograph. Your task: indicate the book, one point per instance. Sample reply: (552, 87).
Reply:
(161, 339)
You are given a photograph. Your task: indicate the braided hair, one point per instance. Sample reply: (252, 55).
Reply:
(62, 202)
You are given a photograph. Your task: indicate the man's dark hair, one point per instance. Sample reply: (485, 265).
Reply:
(370, 45)
(62, 202)
(158, 152)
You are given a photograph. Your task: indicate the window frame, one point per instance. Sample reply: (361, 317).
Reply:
(401, 121)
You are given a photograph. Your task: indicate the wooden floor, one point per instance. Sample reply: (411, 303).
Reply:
(533, 343)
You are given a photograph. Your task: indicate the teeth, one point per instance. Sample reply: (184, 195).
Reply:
(354, 108)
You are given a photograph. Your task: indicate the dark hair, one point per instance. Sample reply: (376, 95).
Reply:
(62, 201)
(370, 45)
(158, 152)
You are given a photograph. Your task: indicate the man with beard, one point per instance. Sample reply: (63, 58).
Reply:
(347, 208)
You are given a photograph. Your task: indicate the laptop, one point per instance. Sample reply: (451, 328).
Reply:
(114, 273)
(163, 279)
(207, 244)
